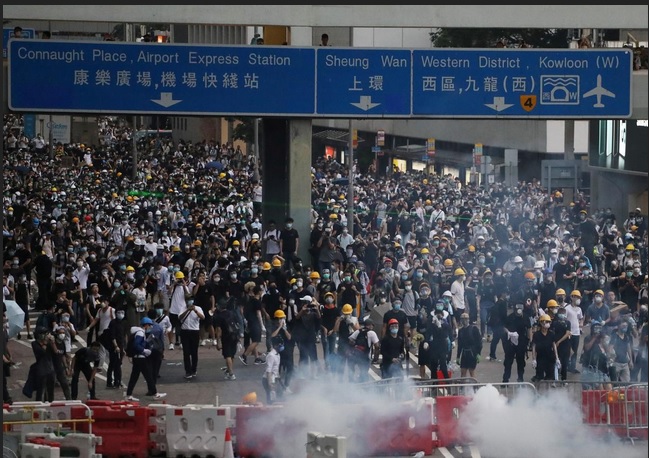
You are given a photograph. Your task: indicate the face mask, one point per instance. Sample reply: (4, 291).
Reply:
(159, 312)
(60, 337)
(629, 273)
(636, 271)
(408, 288)
(117, 284)
(280, 348)
(233, 276)
(300, 284)
(624, 328)
(598, 299)
(498, 273)
(119, 315)
(289, 226)
(190, 302)
(597, 330)
(326, 276)
(561, 316)
(65, 319)
(396, 306)
(546, 325)
(130, 276)
(394, 331)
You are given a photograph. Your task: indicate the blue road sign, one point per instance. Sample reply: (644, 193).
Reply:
(66, 76)
(364, 82)
(522, 83)
(96, 77)
(8, 32)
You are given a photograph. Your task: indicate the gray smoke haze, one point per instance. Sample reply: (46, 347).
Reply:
(548, 426)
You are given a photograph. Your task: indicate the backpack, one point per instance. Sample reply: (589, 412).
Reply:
(43, 321)
(360, 343)
(130, 347)
(232, 324)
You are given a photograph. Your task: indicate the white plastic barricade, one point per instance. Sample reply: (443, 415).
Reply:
(74, 444)
(325, 446)
(158, 429)
(196, 430)
(39, 451)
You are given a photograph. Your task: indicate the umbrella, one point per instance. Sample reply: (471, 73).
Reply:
(341, 181)
(15, 318)
(214, 165)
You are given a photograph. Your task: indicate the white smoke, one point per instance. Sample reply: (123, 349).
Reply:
(536, 427)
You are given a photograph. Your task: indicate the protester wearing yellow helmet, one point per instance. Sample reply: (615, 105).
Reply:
(544, 351)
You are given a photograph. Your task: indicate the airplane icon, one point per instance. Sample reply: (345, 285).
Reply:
(599, 91)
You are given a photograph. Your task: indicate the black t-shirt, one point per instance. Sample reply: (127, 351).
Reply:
(543, 344)
(400, 316)
(391, 347)
(220, 320)
(561, 270)
(289, 240)
(235, 288)
(329, 316)
(202, 296)
(250, 309)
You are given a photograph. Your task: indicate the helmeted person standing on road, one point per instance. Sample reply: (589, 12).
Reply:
(575, 317)
(469, 346)
(179, 294)
(345, 325)
(190, 322)
(515, 343)
(594, 359)
(391, 348)
(439, 342)
(560, 326)
(141, 362)
(544, 351)
(365, 345)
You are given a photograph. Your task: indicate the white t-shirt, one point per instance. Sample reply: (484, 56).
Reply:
(574, 316)
(192, 321)
(272, 364)
(457, 290)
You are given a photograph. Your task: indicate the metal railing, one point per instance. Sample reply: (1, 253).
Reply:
(35, 418)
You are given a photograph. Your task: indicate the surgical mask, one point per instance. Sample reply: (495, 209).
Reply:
(562, 259)
(254, 270)
(408, 288)
(481, 260)
(289, 226)
(586, 272)
(300, 284)
(130, 276)
(598, 299)
(60, 337)
(624, 327)
(329, 300)
(394, 331)
(117, 284)
(577, 301)
(382, 300)
(439, 308)
(120, 315)
(396, 305)
(233, 276)
(596, 330)
(347, 279)
(65, 319)
(326, 276)
(546, 325)
(159, 312)
(561, 316)
(280, 348)
(629, 273)
(190, 302)
(498, 273)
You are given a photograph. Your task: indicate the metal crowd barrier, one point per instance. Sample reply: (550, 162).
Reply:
(636, 406)
(35, 418)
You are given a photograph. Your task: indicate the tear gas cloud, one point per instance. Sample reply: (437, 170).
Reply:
(542, 427)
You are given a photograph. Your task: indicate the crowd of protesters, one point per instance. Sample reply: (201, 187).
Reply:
(174, 256)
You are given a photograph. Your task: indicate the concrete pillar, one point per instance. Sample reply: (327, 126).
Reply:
(299, 178)
(286, 180)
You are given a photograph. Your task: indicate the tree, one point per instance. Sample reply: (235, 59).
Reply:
(489, 37)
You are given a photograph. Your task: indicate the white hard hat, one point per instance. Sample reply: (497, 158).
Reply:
(518, 259)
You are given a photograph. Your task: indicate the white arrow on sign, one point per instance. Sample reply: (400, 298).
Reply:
(166, 100)
(365, 103)
(499, 104)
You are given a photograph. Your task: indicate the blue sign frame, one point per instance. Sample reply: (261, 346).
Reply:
(327, 82)
(8, 33)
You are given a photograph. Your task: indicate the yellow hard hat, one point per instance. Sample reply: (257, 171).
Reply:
(250, 398)
(576, 293)
(599, 291)
(279, 314)
(114, 195)
(222, 175)
(175, 248)
(277, 263)
(630, 247)
(333, 216)
(425, 181)
(179, 275)
(459, 271)
(54, 189)
(236, 243)
(545, 318)
(552, 303)
(129, 198)
(131, 269)
(266, 266)
(448, 262)
(471, 248)
(429, 202)
(75, 220)
(425, 251)
(293, 280)
(119, 174)
(314, 275)
(347, 309)
(342, 196)
(560, 291)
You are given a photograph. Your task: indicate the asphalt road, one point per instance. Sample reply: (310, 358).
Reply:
(210, 386)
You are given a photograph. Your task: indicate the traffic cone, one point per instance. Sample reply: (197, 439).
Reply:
(228, 451)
